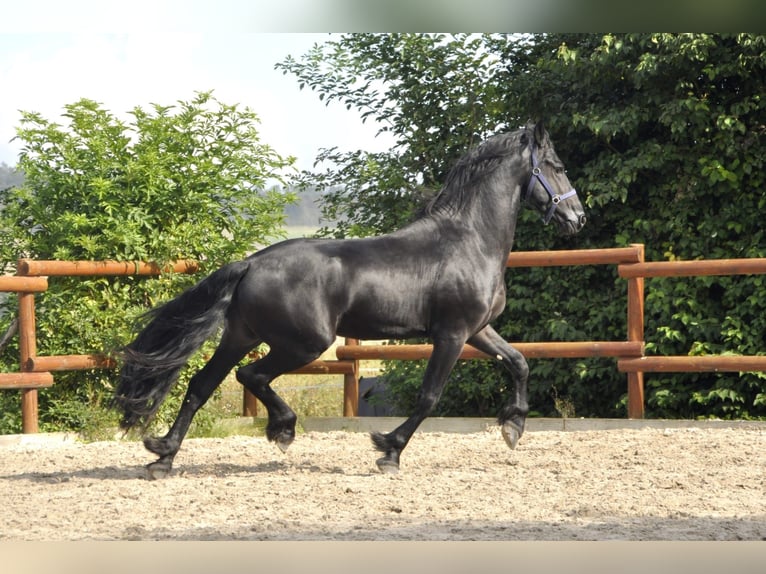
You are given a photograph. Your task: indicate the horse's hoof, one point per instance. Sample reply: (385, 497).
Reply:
(387, 466)
(281, 436)
(157, 470)
(283, 440)
(283, 443)
(511, 434)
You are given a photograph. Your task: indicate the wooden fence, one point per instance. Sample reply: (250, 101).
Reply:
(687, 363)
(35, 372)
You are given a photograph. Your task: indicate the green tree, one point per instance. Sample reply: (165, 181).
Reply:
(186, 181)
(662, 134)
(433, 93)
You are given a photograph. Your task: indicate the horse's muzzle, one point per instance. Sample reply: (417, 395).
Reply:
(572, 226)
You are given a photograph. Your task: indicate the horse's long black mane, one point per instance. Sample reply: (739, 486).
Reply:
(462, 182)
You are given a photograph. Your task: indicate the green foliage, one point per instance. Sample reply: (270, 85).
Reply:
(176, 182)
(405, 82)
(663, 136)
(148, 190)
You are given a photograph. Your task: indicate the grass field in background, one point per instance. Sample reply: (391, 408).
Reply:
(307, 395)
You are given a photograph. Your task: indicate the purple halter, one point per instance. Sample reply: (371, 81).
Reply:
(555, 198)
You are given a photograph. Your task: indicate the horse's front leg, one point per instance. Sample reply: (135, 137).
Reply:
(445, 354)
(513, 415)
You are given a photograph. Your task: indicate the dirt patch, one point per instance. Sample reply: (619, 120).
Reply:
(647, 484)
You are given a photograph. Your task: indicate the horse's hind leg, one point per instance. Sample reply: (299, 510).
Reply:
(201, 387)
(513, 415)
(256, 378)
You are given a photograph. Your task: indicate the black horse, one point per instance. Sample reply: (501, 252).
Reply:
(441, 277)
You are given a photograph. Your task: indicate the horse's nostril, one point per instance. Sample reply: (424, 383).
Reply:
(582, 220)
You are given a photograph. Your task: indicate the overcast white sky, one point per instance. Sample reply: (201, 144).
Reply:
(127, 53)
(43, 71)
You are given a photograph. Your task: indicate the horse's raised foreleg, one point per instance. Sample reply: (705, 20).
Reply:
(445, 354)
(256, 378)
(513, 415)
(201, 387)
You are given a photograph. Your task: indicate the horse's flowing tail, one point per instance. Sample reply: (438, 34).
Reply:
(178, 328)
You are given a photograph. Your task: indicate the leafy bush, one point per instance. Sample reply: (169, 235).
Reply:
(186, 181)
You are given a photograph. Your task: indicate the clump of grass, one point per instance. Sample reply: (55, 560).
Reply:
(564, 405)
(312, 395)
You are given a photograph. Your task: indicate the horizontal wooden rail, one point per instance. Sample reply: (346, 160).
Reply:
(571, 350)
(693, 364)
(23, 284)
(694, 268)
(322, 367)
(30, 267)
(25, 380)
(68, 363)
(95, 361)
(609, 256)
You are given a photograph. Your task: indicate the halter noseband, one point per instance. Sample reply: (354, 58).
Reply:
(537, 174)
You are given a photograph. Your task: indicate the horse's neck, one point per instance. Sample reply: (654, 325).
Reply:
(495, 221)
(488, 226)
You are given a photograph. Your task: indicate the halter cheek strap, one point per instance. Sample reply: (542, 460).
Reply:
(537, 175)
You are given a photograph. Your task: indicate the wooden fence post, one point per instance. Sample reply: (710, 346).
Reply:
(249, 402)
(27, 351)
(351, 386)
(636, 333)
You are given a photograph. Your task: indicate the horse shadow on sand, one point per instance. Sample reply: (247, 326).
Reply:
(192, 470)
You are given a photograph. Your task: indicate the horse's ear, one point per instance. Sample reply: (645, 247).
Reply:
(541, 135)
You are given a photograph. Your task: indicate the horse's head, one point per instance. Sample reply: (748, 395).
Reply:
(549, 189)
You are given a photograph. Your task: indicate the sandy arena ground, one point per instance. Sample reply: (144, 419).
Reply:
(646, 484)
